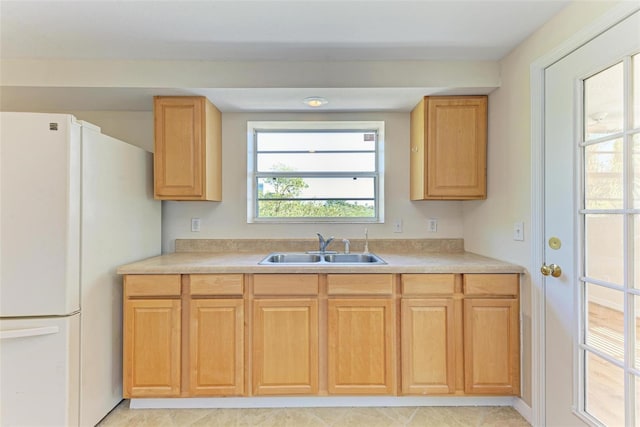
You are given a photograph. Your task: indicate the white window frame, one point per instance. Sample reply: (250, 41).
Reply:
(252, 175)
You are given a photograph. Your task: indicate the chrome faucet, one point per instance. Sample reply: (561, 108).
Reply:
(346, 245)
(323, 243)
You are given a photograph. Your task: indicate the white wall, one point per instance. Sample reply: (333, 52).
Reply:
(228, 219)
(488, 224)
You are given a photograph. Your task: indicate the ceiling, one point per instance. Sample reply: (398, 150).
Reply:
(264, 30)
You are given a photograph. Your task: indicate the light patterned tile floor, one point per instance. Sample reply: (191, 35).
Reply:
(462, 416)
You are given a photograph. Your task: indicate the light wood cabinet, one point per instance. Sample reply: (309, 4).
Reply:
(152, 328)
(448, 158)
(285, 334)
(491, 334)
(321, 334)
(216, 335)
(361, 334)
(430, 334)
(188, 149)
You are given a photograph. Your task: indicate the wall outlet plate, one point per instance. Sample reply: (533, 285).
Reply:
(432, 225)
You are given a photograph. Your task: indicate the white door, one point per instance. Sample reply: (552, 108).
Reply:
(592, 229)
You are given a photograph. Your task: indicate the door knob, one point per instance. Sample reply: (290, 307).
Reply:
(551, 269)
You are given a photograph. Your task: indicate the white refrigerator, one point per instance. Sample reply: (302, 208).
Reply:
(74, 205)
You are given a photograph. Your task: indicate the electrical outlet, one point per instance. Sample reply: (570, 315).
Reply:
(518, 231)
(397, 225)
(432, 225)
(195, 224)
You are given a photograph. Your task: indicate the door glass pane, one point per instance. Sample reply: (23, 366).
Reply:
(636, 252)
(635, 174)
(605, 320)
(604, 175)
(637, 401)
(603, 97)
(604, 248)
(605, 391)
(636, 350)
(636, 92)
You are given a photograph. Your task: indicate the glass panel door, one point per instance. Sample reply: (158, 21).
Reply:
(608, 351)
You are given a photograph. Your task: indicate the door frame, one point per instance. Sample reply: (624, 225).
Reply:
(537, 85)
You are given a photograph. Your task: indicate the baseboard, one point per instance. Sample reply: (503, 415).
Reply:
(524, 409)
(317, 402)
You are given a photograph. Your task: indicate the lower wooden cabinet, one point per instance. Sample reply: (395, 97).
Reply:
(491, 346)
(491, 334)
(216, 347)
(360, 339)
(285, 346)
(152, 346)
(428, 346)
(317, 334)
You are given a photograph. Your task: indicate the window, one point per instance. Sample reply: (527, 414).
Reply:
(315, 171)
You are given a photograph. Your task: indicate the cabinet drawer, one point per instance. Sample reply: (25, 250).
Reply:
(359, 284)
(428, 284)
(285, 284)
(152, 285)
(216, 284)
(490, 284)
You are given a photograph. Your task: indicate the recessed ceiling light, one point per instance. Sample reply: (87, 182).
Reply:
(315, 101)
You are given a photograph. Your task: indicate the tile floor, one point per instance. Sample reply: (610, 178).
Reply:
(305, 417)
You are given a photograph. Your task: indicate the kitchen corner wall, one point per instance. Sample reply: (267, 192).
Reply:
(228, 219)
(488, 225)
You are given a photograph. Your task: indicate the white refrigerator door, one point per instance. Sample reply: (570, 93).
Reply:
(40, 215)
(39, 385)
(120, 224)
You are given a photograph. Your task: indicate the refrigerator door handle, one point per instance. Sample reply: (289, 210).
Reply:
(30, 332)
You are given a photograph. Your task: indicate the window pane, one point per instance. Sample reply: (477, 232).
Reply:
(316, 141)
(604, 245)
(603, 175)
(605, 320)
(603, 98)
(317, 162)
(636, 100)
(316, 209)
(604, 391)
(316, 188)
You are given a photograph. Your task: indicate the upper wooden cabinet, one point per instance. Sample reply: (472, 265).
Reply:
(449, 148)
(188, 149)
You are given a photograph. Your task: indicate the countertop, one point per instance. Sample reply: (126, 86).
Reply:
(243, 262)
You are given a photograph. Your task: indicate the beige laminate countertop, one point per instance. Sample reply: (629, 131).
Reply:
(241, 262)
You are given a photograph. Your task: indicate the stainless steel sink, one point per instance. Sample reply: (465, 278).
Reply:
(318, 259)
(354, 259)
(288, 258)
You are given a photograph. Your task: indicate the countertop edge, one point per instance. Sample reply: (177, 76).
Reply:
(247, 263)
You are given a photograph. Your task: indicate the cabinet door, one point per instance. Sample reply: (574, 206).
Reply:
(361, 341)
(151, 365)
(456, 147)
(179, 160)
(216, 347)
(285, 346)
(449, 148)
(428, 346)
(491, 346)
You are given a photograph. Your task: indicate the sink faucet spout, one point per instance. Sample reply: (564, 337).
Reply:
(323, 243)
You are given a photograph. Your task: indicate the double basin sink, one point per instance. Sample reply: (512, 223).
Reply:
(319, 258)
